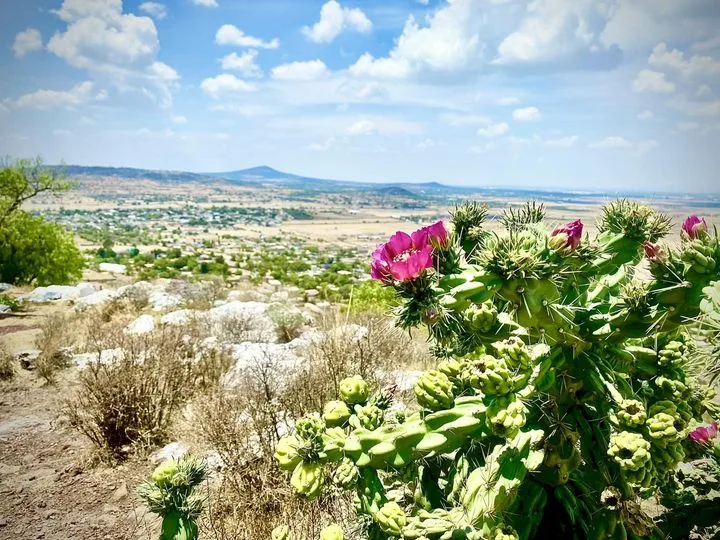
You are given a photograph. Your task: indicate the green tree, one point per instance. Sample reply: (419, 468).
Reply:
(31, 249)
(35, 251)
(23, 179)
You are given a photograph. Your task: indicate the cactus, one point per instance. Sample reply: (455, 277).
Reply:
(171, 494)
(560, 399)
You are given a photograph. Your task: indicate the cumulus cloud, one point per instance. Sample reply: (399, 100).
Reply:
(155, 9)
(617, 142)
(243, 63)
(301, 71)
(494, 130)
(51, 99)
(225, 84)
(205, 3)
(334, 19)
(653, 82)
(179, 119)
(562, 142)
(361, 127)
(229, 34)
(27, 41)
(694, 67)
(509, 100)
(527, 114)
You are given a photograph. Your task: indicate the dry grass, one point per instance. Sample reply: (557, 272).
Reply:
(7, 364)
(56, 338)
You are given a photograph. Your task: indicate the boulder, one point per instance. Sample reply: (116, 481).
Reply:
(107, 356)
(95, 299)
(5, 287)
(161, 301)
(178, 318)
(27, 358)
(144, 324)
(5, 309)
(259, 327)
(113, 268)
(279, 359)
(174, 450)
(53, 293)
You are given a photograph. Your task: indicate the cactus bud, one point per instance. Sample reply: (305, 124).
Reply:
(629, 450)
(346, 475)
(631, 412)
(391, 519)
(504, 532)
(332, 532)
(336, 413)
(354, 390)
(164, 472)
(506, 415)
(281, 532)
(433, 391)
(307, 479)
(369, 416)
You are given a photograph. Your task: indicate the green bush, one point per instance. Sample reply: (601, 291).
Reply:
(10, 301)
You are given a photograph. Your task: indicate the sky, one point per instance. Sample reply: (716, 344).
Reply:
(582, 94)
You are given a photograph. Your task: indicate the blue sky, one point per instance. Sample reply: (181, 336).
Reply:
(612, 94)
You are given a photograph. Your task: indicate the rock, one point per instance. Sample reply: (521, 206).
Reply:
(5, 287)
(256, 324)
(53, 293)
(27, 358)
(120, 493)
(279, 296)
(179, 317)
(305, 339)
(144, 324)
(113, 268)
(95, 299)
(218, 303)
(174, 450)
(161, 300)
(312, 293)
(107, 356)
(279, 358)
(313, 309)
(5, 309)
(275, 283)
(213, 461)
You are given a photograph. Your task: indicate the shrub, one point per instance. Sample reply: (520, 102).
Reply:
(288, 322)
(55, 339)
(371, 296)
(7, 364)
(10, 301)
(560, 399)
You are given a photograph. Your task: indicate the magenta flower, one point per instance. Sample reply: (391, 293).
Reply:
(704, 434)
(435, 235)
(571, 233)
(402, 258)
(693, 227)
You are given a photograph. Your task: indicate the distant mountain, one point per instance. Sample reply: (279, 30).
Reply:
(137, 174)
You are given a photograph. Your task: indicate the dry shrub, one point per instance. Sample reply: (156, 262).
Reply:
(367, 345)
(236, 328)
(202, 295)
(7, 364)
(56, 338)
(289, 322)
(130, 401)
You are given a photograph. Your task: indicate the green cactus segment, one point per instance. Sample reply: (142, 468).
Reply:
(175, 526)
(354, 390)
(336, 413)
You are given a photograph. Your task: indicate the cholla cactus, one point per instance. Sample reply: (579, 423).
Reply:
(560, 398)
(172, 495)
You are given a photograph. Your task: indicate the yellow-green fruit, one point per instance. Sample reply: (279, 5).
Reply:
(629, 450)
(391, 519)
(506, 415)
(346, 475)
(354, 390)
(504, 532)
(286, 453)
(672, 353)
(482, 318)
(336, 413)
(677, 389)
(666, 459)
(452, 369)
(491, 376)
(433, 391)
(370, 416)
(307, 479)
(631, 412)
(661, 428)
(309, 427)
(281, 532)
(514, 352)
(332, 532)
(164, 472)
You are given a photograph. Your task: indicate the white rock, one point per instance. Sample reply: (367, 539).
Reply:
(174, 450)
(405, 380)
(162, 300)
(60, 292)
(113, 268)
(218, 303)
(278, 358)
(305, 339)
(312, 293)
(179, 317)
(144, 324)
(260, 327)
(5, 286)
(107, 356)
(5, 309)
(95, 299)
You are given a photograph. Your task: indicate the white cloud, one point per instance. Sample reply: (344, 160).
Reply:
(155, 9)
(483, 149)
(361, 127)
(228, 34)
(163, 72)
(693, 67)
(450, 42)
(465, 119)
(554, 31)
(51, 99)
(244, 63)
(334, 19)
(225, 84)
(562, 142)
(527, 114)
(99, 35)
(179, 119)
(370, 90)
(646, 115)
(494, 130)
(27, 41)
(423, 2)
(652, 81)
(509, 100)
(301, 71)
(323, 146)
(613, 141)
(205, 3)
(646, 146)
(426, 144)
(61, 132)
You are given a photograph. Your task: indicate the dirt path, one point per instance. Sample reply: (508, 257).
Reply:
(48, 488)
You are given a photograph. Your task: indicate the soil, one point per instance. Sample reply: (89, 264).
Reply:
(50, 487)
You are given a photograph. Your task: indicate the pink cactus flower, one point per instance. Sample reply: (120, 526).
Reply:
(704, 434)
(571, 232)
(694, 227)
(653, 251)
(435, 235)
(402, 258)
